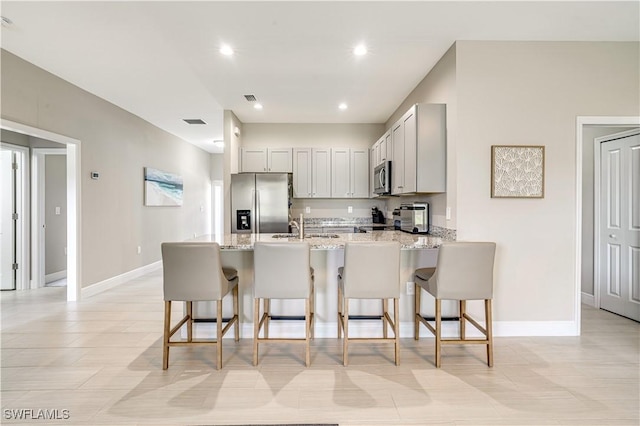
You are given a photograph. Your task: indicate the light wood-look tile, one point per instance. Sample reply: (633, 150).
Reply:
(101, 359)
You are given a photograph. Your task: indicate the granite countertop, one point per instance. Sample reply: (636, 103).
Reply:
(406, 240)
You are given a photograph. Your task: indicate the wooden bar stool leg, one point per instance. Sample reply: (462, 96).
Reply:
(313, 314)
(307, 357)
(385, 309)
(340, 300)
(256, 329)
(165, 338)
(236, 315)
(345, 340)
(267, 309)
(219, 335)
(438, 331)
(190, 322)
(489, 329)
(463, 311)
(416, 330)
(396, 328)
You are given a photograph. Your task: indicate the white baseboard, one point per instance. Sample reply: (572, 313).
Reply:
(588, 299)
(368, 328)
(55, 276)
(101, 286)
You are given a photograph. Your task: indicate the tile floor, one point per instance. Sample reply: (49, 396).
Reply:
(101, 361)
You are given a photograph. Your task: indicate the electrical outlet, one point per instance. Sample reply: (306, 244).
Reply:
(410, 288)
(307, 209)
(448, 213)
(350, 209)
(57, 210)
(201, 209)
(194, 235)
(139, 249)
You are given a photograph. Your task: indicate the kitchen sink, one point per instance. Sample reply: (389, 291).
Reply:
(326, 235)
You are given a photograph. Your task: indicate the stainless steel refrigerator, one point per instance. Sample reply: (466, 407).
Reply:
(260, 203)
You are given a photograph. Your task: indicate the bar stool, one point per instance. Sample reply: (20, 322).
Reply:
(371, 271)
(464, 271)
(282, 271)
(193, 272)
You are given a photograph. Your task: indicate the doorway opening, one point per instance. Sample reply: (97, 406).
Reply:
(73, 240)
(585, 186)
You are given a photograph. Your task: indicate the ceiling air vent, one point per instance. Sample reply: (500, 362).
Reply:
(250, 98)
(194, 121)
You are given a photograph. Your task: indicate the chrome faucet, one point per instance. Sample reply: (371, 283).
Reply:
(299, 226)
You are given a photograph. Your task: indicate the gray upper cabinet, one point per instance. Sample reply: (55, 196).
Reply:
(419, 150)
(350, 173)
(274, 160)
(312, 173)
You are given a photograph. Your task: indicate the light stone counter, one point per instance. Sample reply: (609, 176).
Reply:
(407, 241)
(327, 255)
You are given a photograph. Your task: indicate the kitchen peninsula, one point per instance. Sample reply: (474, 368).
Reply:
(327, 255)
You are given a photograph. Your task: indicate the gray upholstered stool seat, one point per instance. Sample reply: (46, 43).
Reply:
(192, 271)
(281, 271)
(371, 271)
(464, 271)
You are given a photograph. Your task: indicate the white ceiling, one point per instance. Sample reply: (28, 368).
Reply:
(161, 61)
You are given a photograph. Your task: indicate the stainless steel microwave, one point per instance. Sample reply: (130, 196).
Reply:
(382, 178)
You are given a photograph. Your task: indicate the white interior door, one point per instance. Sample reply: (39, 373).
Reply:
(7, 221)
(620, 226)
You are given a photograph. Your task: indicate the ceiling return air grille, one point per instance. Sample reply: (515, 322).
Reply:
(250, 98)
(194, 121)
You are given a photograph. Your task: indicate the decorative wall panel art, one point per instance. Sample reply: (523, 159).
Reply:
(517, 171)
(162, 188)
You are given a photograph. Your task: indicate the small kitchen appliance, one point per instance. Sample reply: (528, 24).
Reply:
(382, 178)
(414, 218)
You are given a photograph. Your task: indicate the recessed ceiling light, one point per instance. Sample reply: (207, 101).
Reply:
(342, 106)
(226, 50)
(257, 106)
(360, 50)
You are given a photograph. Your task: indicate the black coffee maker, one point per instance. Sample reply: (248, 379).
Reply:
(377, 216)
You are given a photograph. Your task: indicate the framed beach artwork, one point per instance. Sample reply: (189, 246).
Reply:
(517, 171)
(162, 188)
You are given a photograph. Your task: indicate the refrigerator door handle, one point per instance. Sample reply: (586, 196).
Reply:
(257, 210)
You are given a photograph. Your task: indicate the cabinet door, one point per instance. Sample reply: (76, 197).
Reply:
(302, 172)
(388, 146)
(340, 175)
(397, 167)
(254, 160)
(372, 166)
(383, 150)
(410, 150)
(321, 172)
(280, 160)
(359, 173)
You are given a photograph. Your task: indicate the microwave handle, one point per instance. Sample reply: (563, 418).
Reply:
(382, 178)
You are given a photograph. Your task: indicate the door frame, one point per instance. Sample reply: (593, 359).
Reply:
(597, 204)
(74, 240)
(38, 213)
(22, 228)
(581, 122)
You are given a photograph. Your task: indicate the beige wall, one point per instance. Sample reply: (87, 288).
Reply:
(438, 86)
(118, 145)
(530, 93)
(55, 195)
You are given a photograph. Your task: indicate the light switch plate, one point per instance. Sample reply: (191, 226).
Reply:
(57, 210)
(307, 209)
(350, 209)
(448, 213)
